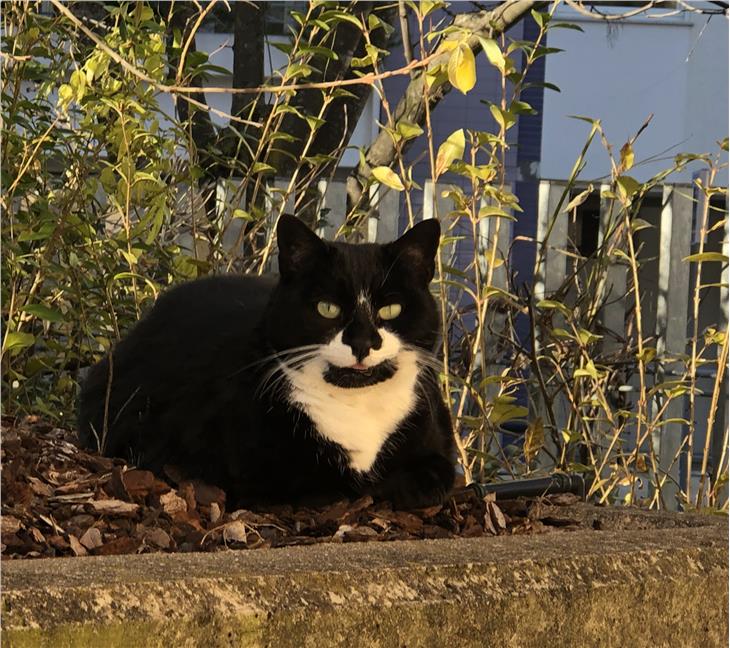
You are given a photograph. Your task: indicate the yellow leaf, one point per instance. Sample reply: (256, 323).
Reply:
(627, 156)
(534, 439)
(388, 177)
(462, 68)
(452, 149)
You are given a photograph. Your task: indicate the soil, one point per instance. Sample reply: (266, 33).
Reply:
(60, 500)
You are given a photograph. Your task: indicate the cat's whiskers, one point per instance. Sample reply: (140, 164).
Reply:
(424, 358)
(277, 355)
(276, 376)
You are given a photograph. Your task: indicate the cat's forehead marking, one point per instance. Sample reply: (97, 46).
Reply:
(363, 298)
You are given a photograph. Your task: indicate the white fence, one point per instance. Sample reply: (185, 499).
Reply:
(665, 277)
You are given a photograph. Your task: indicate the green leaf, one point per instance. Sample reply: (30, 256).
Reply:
(494, 291)
(540, 18)
(495, 212)
(647, 354)
(519, 107)
(41, 311)
(494, 54)
(462, 68)
(242, 214)
(298, 70)
(627, 186)
(339, 16)
(565, 25)
(589, 370)
(262, 167)
(550, 304)
(425, 7)
(452, 149)
(65, 96)
(639, 224)
(503, 117)
(318, 50)
(586, 337)
(408, 130)
(315, 123)
(78, 84)
(503, 411)
(18, 340)
(388, 177)
(705, 257)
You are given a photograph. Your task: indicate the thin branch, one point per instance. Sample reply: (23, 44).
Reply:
(597, 15)
(366, 79)
(405, 32)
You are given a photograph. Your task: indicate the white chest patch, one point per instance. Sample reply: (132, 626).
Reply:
(358, 419)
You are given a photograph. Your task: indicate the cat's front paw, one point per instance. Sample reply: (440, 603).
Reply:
(419, 485)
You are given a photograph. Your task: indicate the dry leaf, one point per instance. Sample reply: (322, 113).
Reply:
(496, 515)
(235, 532)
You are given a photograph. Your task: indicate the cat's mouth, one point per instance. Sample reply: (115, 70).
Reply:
(358, 375)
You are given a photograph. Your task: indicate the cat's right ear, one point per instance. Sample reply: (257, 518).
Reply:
(298, 245)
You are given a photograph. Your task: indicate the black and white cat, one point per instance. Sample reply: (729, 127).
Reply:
(317, 384)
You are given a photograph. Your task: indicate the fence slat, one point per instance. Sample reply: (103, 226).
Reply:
(388, 213)
(435, 205)
(334, 199)
(675, 240)
(552, 270)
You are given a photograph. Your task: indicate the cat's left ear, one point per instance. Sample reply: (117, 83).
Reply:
(298, 245)
(417, 248)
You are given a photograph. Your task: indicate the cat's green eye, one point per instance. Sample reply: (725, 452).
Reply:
(328, 309)
(389, 312)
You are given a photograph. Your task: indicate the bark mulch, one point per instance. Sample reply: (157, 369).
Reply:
(59, 500)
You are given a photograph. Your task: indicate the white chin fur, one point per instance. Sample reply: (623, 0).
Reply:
(359, 419)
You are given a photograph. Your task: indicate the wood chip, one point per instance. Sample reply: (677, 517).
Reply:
(172, 503)
(76, 546)
(158, 537)
(207, 494)
(9, 524)
(138, 483)
(123, 545)
(112, 507)
(39, 487)
(37, 535)
(215, 513)
(91, 539)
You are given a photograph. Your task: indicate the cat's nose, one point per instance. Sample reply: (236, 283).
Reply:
(361, 337)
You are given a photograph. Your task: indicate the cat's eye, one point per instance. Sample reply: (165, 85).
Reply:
(389, 312)
(328, 309)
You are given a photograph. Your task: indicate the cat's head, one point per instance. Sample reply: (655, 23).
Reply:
(355, 310)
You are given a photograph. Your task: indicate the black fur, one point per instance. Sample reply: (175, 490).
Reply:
(188, 383)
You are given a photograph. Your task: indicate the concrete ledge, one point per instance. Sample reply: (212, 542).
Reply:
(655, 587)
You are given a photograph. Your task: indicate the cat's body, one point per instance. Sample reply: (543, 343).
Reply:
(282, 390)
